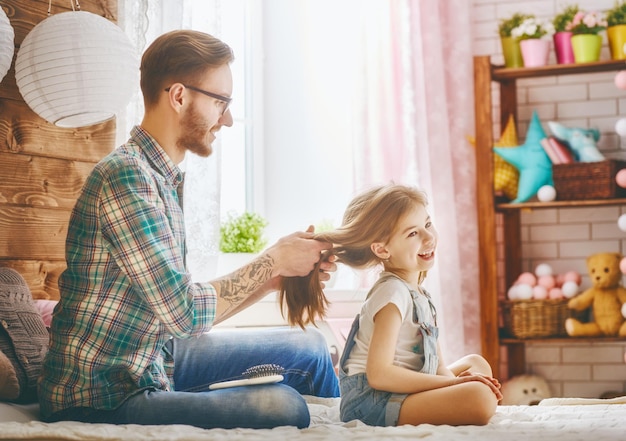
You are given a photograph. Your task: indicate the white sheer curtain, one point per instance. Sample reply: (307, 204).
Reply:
(417, 109)
(143, 21)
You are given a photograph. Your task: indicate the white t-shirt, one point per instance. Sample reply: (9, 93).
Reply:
(409, 352)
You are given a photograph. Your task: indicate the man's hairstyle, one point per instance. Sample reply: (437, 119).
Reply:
(179, 56)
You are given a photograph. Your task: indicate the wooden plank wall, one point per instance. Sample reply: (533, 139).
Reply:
(42, 167)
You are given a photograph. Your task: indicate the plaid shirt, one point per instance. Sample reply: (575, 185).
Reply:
(126, 290)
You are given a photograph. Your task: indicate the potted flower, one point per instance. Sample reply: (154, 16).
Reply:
(616, 30)
(510, 46)
(586, 42)
(241, 237)
(562, 36)
(534, 36)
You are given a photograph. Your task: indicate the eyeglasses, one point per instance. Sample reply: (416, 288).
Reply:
(224, 99)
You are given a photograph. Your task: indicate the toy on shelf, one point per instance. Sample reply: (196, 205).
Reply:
(606, 298)
(531, 160)
(583, 142)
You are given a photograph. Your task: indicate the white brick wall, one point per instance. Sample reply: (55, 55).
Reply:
(565, 237)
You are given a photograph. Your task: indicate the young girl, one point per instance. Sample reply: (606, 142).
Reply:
(391, 370)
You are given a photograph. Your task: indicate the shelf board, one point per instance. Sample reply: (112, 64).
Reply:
(517, 341)
(501, 73)
(560, 204)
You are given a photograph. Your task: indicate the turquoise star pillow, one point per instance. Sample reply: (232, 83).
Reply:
(534, 165)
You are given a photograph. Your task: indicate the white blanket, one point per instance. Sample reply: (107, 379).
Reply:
(572, 422)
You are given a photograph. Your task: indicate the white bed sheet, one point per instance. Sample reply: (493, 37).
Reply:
(569, 422)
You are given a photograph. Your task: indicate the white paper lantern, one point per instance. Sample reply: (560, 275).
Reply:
(76, 69)
(7, 46)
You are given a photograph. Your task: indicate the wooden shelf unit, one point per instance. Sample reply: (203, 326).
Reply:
(485, 74)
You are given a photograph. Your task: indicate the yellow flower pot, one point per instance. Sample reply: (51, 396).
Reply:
(617, 41)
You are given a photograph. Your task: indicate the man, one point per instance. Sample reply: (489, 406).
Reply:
(128, 341)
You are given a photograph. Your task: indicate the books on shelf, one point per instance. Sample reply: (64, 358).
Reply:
(557, 150)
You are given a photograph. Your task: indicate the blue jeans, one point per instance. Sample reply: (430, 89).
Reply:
(222, 355)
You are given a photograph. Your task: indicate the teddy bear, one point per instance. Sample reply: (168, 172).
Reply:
(606, 297)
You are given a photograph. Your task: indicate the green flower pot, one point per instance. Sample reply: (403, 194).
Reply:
(512, 52)
(586, 47)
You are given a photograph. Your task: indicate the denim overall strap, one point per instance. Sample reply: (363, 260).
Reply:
(429, 335)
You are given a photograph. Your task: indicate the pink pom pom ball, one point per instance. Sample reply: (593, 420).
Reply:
(540, 292)
(555, 293)
(560, 278)
(527, 278)
(622, 265)
(572, 276)
(620, 80)
(620, 178)
(548, 282)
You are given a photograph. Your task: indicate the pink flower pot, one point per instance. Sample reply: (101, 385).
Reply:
(563, 47)
(535, 52)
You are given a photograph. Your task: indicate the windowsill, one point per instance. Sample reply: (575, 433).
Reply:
(344, 304)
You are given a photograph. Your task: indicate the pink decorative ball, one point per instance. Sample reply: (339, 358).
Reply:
(620, 80)
(572, 276)
(540, 292)
(555, 293)
(560, 279)
(548, 282)
(620, 178)
(622, 265)
(527, 278)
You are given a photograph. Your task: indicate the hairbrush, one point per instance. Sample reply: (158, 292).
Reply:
(259, 374)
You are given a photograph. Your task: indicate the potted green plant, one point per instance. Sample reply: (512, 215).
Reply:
(241, 237)
(586, 43)
(616, 30)
(510, 46)
(562, 35)
(243, 233)
(534, 36)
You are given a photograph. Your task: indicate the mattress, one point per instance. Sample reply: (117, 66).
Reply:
(556, 420)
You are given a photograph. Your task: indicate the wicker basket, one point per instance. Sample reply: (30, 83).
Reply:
(538, 318)
(587, 180)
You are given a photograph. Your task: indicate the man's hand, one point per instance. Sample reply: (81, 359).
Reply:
(297, 254)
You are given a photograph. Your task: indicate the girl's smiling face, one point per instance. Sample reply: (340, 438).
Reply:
(411, 247)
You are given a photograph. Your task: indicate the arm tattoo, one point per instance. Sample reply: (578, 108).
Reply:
(239, 285)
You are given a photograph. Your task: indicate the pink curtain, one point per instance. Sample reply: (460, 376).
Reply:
(418, 111)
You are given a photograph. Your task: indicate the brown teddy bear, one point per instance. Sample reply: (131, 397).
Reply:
(607, 297)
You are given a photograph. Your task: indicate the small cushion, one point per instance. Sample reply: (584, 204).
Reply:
(46, 309)
(23, 336)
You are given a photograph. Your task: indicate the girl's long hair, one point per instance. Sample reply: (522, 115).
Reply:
(370, 217)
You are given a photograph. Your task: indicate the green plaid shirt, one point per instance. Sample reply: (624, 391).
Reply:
(126, 290)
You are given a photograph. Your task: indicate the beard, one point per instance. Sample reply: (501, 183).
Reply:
(194, 133)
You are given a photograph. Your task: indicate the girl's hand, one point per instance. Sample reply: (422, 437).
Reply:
(493, 383)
